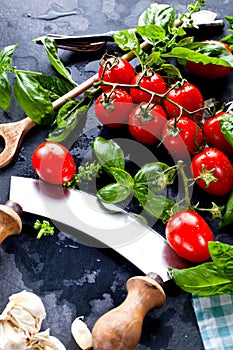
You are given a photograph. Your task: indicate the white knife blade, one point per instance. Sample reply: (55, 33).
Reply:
(81, 215)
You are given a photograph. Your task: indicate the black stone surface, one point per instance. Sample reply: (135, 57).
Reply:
(73, 279)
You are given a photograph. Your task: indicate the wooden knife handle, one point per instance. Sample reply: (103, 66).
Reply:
(120, 328)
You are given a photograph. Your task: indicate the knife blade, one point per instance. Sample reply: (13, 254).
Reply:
(82, 216)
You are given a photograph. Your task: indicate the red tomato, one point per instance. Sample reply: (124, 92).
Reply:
(112, 108)
(213, 159)
(187, 96)
(214, 135)
(185, 136)
(188, 234)
(211, 71)
(151, 81)
(53, 163)
(146, 123)
(115, 70)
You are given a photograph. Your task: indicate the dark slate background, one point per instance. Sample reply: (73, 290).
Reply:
(73, 279)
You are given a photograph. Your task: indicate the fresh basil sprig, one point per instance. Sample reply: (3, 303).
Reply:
(146, 185)
(5, 68)
(210, 278)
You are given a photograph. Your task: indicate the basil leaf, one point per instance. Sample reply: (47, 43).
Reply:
(154, 204)
(226, 125)
(228, 216)
(113, 193)
(5, 92)
(121, 176)
(203, 280)
(191, 55)
(230, 20)
(108, 153)
(151, 32)
(56, 87)
(51, 49)
(127, 41)
(222, 256)
(155, 175)
(33, 99)
(67, 119)
(161, 15)
(6, 58)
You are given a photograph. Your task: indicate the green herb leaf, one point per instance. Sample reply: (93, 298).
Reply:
(159, 14)
(108, 153)
(5, 92)
(121, 176)
(33, 99)
(151, 32)
(51, 49)
(55, 87)
(114, 193)
(127, 41)
(204, 280)
(222, 256)
(228, 216)
(156, 176)
(6, 58)
(226, 125)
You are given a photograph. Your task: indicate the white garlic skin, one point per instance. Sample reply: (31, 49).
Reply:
(81, 334)
(11, 338)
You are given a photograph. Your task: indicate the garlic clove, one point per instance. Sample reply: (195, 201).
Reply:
(11, 338)
(47, 343)
(81, 334)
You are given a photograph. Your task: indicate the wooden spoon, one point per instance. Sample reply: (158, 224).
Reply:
(12, 134)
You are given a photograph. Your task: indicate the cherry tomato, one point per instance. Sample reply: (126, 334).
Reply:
(214, 135)
(187, 96)
(112, 108)
(211, 71)
(183, 136)
(188, 234)
(146, 123)
(215, 167)
(115, 70)
(151, 81)
(53, 163)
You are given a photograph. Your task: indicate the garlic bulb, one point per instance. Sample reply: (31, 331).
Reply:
(81, 333)
(26, 311)
(20, 323)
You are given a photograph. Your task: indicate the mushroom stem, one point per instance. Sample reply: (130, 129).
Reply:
(10, 222)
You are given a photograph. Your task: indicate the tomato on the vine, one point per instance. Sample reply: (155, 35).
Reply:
(182, 136)
(53, 163)
(148, 80)
(146, 122)
(187, 96)
(112, 108)
(214, 135)
(115, 70)
(213, 171)
(210, 71)
(188, 234)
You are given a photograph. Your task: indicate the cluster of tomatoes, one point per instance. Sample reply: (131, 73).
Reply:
(173, 115)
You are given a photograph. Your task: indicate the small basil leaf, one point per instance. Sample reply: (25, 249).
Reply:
(51, 49)
(151, 32)
(155, 205)
(228, 216)
(161, 15)
(6, 58)
(127, 41)
(33, 99)
(5, 92)
(226, 125)
(121, 176)
(191, 55)
(113, 193)
(203, 280)
(108, 153)
(222, 256)
(56, 87)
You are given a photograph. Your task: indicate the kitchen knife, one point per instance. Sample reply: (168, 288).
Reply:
(82, 216)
